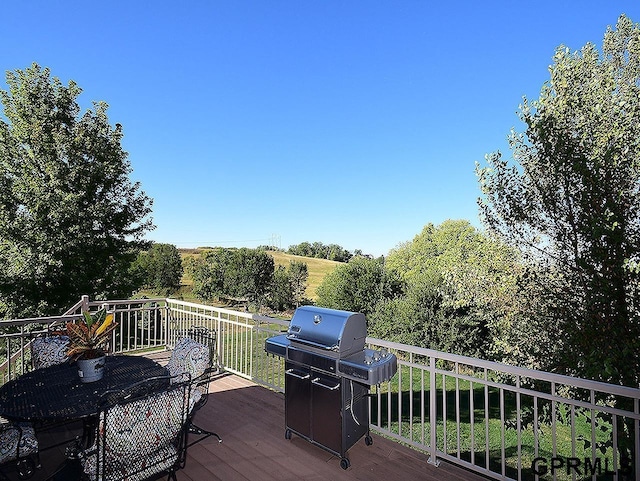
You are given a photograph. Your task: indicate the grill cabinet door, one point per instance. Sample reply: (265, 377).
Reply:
(326, 415)
(297, 392)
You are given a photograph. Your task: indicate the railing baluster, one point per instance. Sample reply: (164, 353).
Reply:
(472, 436)
(444, 415)
(553, 424)
(573, 435)
(519, 426)
(486, 420)
(240, 344)
(411, 396)
(536, 440)
(433, 416)
(615, 452)
(502, 435)
(592, 395)
(457, 371)
(636, 437)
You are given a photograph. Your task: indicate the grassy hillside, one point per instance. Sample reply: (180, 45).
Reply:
(318, 268)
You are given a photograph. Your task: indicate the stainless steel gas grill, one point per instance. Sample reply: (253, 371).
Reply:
(328, 372)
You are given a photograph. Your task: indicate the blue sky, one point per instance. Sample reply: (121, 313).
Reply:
(346, 122)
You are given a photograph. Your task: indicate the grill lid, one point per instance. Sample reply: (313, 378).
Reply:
(343, 332)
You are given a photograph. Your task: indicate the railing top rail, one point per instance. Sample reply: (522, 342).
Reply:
(38, 320)
(514, 370)
(231, 312)
(204, 306)
(128, 301)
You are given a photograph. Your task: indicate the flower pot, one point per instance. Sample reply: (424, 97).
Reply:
(91, 370)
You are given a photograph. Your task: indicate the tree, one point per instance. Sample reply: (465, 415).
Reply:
(71, 221)
(207, 272)
(458, 292)
(333, 252)
(249, 274)
(298, 273)
(161, 266)
(288, 286)
(244, 274)
(358, 285)
(281, 293)
(570, 200)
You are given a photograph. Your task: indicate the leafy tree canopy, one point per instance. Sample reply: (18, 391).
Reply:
(235, 273)
(458, 290)
(569, 199)
(333, 252)
(71, 221)
(160, 266)
(358, 285)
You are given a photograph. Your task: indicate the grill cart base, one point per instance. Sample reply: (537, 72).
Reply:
(329, 411)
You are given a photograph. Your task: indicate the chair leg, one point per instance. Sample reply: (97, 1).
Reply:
(193, 429)
(27, 466)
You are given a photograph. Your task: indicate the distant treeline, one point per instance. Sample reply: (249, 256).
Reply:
(318, 250)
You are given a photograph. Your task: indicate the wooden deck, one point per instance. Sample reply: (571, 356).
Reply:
(250, 420)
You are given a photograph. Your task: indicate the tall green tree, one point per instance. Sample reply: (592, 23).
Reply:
(161, 266)
(298, 274)
(71, 220)
(456, 298)
(358, 285)
(234, 273)
(569, 198)
(281, 294)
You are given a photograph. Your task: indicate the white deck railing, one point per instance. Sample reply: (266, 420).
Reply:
(501, 421)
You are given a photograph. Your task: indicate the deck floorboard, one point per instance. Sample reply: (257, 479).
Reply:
(250, 420)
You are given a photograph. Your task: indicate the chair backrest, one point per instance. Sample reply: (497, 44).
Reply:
(206, 337)
(141, 431)
(49, 351)
(17, 441)
(192, 358)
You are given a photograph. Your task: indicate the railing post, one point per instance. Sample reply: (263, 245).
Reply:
(219, 340)
(636, 426)
(433, 412)
(166, 324)
(85, 302)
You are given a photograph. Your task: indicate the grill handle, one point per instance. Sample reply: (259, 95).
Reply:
(331, 387)
(299, 374)
(293, 337)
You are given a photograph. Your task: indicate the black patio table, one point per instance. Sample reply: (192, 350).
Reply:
(56, 393)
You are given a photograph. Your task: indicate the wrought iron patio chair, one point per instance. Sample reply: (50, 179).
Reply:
(18, 446)
(49, 350)
(141, 431)
(46, 351)
(206, 337)
(195, 359)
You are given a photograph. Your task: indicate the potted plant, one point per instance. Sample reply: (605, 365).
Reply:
(88, 339)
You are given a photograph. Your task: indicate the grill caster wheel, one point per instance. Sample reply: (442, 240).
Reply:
(344, 463)
(26, 468)
(287, 434)
(368, 440)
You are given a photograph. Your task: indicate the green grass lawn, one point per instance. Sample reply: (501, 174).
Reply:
(409, 407)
